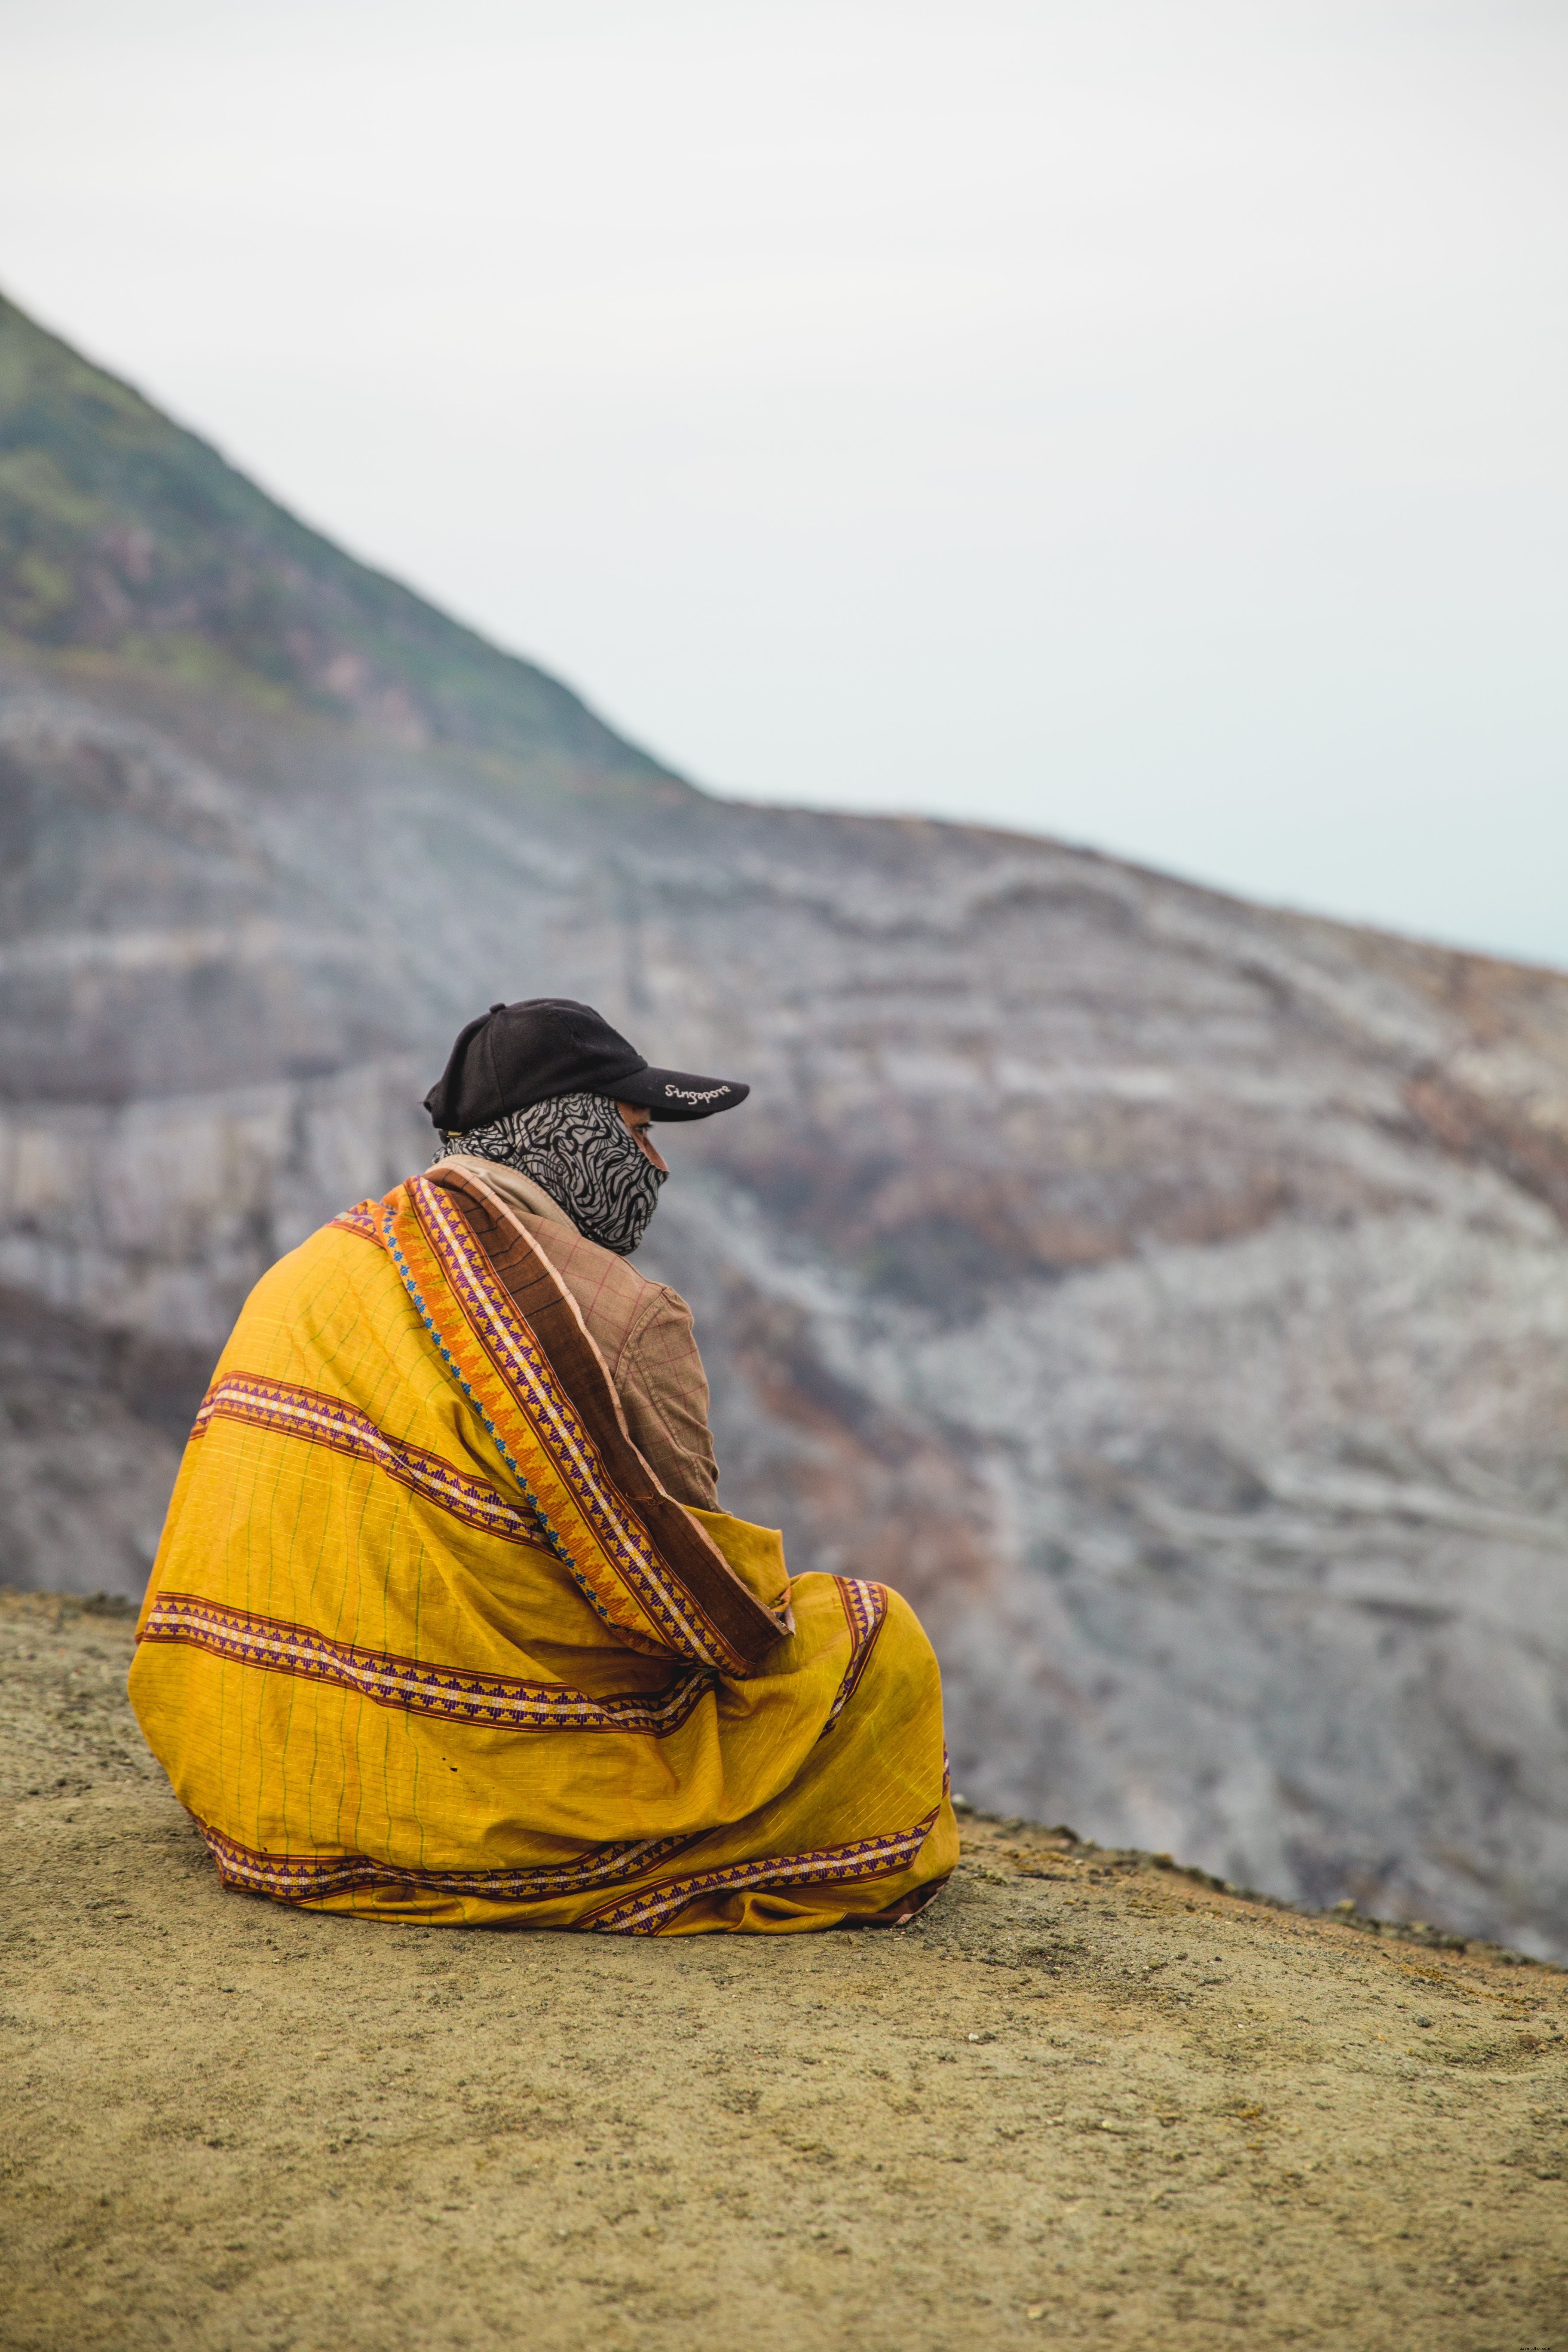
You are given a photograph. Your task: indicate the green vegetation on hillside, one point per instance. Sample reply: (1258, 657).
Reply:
(119, 531)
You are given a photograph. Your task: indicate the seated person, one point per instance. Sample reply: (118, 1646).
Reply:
(446, 1624)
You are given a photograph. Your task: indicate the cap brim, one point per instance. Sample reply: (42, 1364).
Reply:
(679, 1094)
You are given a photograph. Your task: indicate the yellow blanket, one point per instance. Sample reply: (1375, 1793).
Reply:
(426, 1640)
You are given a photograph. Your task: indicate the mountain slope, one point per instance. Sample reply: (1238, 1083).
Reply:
(122, 532)
(1168, 1294)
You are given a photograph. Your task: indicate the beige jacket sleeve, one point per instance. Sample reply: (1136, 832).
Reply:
(664, 1395)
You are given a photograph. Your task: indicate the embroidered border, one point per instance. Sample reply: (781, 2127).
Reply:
(291, 1411)
(866, 1607)
(387, 1240)
(744, 1630)
(307, 1877)
(522, 1366)
(361, 1220)
(645, 1912)
(311, 1877)
(490, 1701)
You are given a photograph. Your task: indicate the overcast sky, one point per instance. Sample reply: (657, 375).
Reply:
(1140, 423)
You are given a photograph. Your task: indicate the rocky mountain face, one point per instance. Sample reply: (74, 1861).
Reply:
(1169, 1294)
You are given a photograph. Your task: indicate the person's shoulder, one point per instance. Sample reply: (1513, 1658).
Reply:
(670, 1295)
(648, 1301)
(581, 1261)
(658, 1299)
(663, 1318)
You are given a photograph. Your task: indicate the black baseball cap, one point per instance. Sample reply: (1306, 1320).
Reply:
(516, 1055)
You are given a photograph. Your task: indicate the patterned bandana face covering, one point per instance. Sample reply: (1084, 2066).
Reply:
(580, 1151)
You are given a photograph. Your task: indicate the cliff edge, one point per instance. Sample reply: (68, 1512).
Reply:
(1087, 2098)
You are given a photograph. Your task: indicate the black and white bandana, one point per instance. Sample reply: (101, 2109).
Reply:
(580, 1151)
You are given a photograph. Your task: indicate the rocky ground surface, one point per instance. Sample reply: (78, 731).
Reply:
(1088, 2098)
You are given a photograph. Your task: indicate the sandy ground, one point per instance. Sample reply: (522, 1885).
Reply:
(1085, 2100)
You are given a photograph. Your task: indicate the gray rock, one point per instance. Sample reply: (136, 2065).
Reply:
(1169, 1294)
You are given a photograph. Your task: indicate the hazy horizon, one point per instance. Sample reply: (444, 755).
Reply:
(1139, 424)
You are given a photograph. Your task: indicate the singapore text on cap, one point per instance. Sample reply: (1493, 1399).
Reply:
(543, 1047)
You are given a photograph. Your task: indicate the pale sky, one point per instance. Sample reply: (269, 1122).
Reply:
(1139, 423)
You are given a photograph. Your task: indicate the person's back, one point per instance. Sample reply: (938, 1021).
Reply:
(642, 1328)
(445, 1625)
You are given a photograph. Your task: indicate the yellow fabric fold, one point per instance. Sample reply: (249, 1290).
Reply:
(425, 1640)
(755, 1554)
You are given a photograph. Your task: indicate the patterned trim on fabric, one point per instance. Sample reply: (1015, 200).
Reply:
(522, 1365)
(292, 1412)
(645, 1912)
(866, 1607)
(490, 1701)
(361, 1219)
(387, 1239)
(307, 1877)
